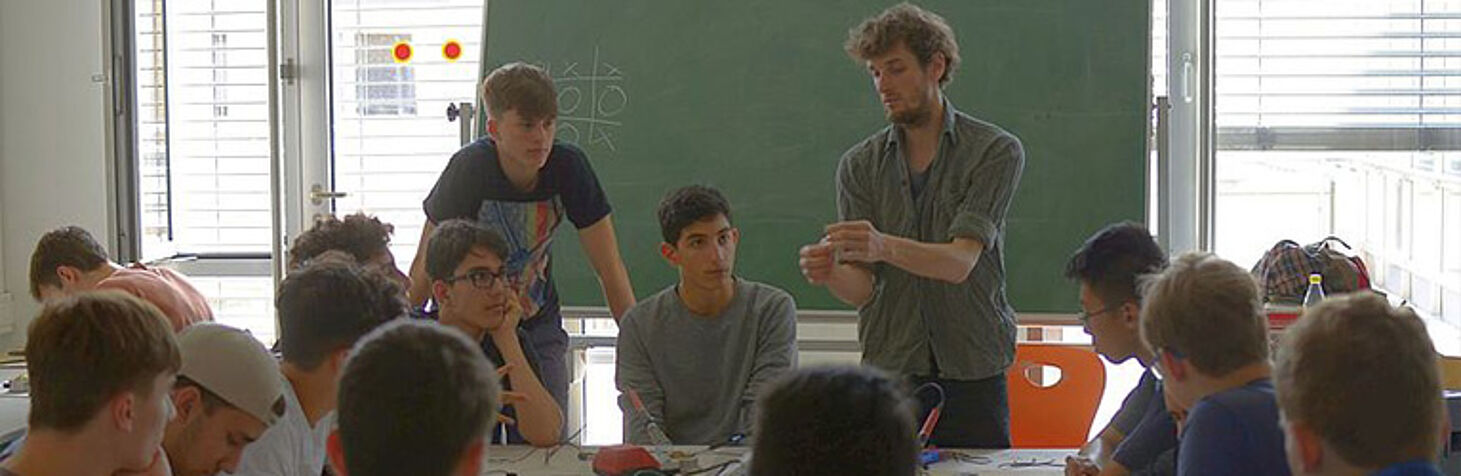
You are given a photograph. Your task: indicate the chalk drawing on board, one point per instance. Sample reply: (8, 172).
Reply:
(590, 99)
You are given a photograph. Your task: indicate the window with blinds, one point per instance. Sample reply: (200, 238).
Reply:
(1356, 75)
(1344, 118)
(203, 143)
(203, 127)
(391, 136)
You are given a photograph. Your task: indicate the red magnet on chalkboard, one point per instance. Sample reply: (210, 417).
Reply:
(452, 50)
(401, 52)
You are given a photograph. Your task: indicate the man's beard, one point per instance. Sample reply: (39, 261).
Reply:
(912, 117)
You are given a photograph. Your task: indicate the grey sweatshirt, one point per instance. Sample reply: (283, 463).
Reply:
(699, 375)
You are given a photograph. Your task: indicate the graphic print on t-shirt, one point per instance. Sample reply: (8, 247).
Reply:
(527, 227)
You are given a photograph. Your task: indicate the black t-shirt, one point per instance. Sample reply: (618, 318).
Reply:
(474, 187)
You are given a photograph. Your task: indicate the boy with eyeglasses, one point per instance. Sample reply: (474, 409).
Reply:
(474, 294)
(1141, 438)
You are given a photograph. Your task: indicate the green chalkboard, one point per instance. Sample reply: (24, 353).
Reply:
(756, 97)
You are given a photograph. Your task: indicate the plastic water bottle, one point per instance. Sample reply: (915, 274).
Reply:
(1315, 292)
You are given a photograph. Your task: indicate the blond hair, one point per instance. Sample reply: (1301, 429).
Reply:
(1363, 375)
(1205, 309)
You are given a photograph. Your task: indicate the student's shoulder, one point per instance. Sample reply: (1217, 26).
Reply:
(476, 154)
(567, 155)
(1235, 407)
(762, 292)
(648, 310)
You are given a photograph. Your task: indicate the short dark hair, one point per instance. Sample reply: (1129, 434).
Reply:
(327, 305)
(686, 205)
(361, 235)
(65, 246)
(924, 33)
(1112, 260)
(428, 371)
(453, 240)
(522, 87)
(86, 349)
(834, 421)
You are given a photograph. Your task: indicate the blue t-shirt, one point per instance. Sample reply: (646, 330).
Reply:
(1410, 468)
(1234, 432)
(474, 187)
(1148, 427)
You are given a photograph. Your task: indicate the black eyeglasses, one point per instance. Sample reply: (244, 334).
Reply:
(484, 279)
(1085, 317)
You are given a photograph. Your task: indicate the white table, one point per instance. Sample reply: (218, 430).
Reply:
(14, 407)
(566, 461)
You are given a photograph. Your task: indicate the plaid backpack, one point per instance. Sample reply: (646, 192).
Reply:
(1283, 272)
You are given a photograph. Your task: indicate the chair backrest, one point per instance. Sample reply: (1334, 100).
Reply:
(1057, 416)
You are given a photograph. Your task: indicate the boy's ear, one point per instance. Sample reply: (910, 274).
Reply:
(670, 253)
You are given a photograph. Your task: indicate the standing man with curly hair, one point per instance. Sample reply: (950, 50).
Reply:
(920, 246)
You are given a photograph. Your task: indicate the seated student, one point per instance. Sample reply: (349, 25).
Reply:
(835, 421)
(227, 394)
(1359, 390)
(100, 368)
(1107, 267)
(69, 260)
(387, 375)
(323, 309)
(364, 237)
(474, 295)
(698, 352)
(1203, 319)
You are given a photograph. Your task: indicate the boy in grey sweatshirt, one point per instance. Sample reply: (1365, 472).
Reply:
(698, 352)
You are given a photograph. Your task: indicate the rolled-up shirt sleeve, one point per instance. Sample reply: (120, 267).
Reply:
(991, 186)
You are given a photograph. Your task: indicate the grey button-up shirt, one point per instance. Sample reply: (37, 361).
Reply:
(912, 323)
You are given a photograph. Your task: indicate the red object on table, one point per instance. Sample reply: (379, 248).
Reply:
(620, 460)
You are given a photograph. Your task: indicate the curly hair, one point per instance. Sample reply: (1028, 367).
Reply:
(362, 236)
(924, 33)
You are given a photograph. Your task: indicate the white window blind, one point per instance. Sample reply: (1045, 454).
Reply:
(203, 127)
(391, 136)
(203, 145)
(1347, 74)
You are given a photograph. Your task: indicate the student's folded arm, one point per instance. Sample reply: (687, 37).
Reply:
(539, 419)
(776, 352)
(633, 370)
(602, 247)
(421, 283)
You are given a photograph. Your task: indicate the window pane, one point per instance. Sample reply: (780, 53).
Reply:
(1341, 118)
(245, 302)
(391, 135)
(203, 126)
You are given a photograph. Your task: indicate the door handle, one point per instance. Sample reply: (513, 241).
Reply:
(318, 194)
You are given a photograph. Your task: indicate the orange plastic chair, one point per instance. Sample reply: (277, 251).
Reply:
(1058, 416)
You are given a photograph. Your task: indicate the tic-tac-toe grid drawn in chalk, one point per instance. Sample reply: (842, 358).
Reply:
(590, 98)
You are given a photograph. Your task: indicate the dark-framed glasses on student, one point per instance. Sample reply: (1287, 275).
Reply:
(1085, 317)
(484, 279)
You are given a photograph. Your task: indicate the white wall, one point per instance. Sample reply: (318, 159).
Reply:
(52, 165)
